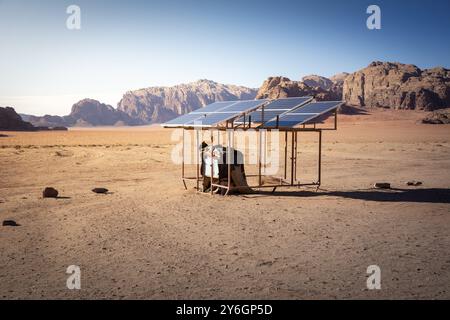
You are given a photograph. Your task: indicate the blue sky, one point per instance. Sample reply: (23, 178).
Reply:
(126, 45)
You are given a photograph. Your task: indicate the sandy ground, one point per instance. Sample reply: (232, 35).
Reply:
(151, 239)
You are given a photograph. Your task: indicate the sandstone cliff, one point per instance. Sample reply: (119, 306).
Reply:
(10, 120)
(399, 86)
(281, 87)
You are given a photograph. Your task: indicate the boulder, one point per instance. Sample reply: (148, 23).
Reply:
(100, 190)
(50, 192)
(382, 185)
(10, 223)
(438, 117)
(414, 183)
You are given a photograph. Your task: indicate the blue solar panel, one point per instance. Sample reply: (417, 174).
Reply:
(215, 113)
(288, 121)
(318, 107)
(182, 120)
(305, 114)
(211, 119)
(213, 107)
(256, 116)
(288, 103)
(244, 106)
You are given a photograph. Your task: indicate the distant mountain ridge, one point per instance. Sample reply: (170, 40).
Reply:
(381, 84)
(146, 106)
(85, 113)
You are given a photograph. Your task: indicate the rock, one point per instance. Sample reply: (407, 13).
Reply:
(160, 104)
(398, 86)
(382, 185)
(10, 120)
(318, 81)
(438, 117)
(100, 190)
(50, 192)
(10, 223)
(281, 87)
(414, 183)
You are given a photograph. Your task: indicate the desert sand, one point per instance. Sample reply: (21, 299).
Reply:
(150, 239)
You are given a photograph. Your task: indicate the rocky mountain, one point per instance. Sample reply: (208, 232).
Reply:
(339, 78)
(399, 86)
(86, 113)
(159, 104)
(10, 120)
(318, 81)
(281, 87)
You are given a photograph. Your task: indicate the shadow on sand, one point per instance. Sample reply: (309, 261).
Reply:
(392, 195)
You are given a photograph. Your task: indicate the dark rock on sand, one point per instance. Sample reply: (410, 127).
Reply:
(414, 183)
(10, 223)
(382, 185)
(100, 190)
(50, 193)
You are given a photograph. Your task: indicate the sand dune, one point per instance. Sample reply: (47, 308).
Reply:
(149, 238)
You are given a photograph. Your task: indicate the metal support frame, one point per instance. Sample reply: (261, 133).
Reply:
(230, 145)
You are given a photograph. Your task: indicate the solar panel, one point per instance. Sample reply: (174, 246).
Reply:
(211, 119)
(197, 114)
(318, 107)
(226, 113)
(257, 116)
(243, 106)
(182, 120)
(304, 114)
(275, 108)
(287, 103)
(216, 106)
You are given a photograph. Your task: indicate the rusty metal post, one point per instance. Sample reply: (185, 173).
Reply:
(335, 119)
(212, 162)
(320, 159)
(182, 163)
(296, 154)
(285, 153)
(292, 158)
(259, 159)
(197, 156)
(228, 160)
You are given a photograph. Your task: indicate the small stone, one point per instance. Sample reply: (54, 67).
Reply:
(100, 190)
(10, 223)
(382, 185)
(50, 192)
(414, 183)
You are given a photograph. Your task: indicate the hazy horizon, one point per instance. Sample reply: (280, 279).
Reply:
(121, 46)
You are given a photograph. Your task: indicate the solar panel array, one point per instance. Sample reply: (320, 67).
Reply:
(274, 109)
(291, 112)
(303, 115)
